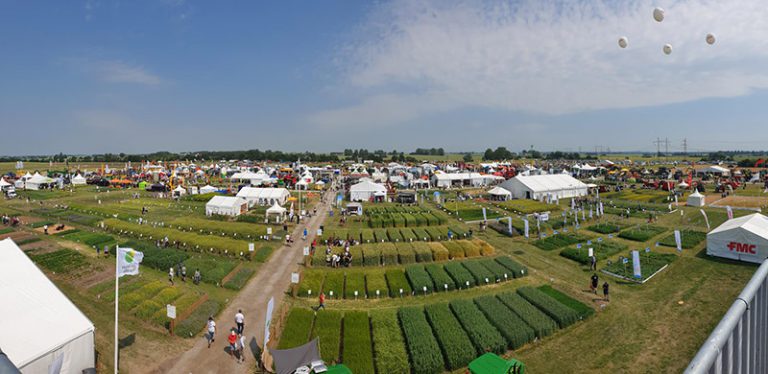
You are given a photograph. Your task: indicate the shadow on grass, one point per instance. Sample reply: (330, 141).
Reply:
(703, 255)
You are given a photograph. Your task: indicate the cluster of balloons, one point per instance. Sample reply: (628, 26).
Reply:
(658, 15)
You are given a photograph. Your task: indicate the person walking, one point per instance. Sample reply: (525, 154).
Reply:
(45, 229)
(170, 275)
(593, 263)
(240, 321)
(593, 285)
(232, 339)
(196, 278)
(211, 328)
(605, 292)
(241, 348)
(184, 273)
(322, 302)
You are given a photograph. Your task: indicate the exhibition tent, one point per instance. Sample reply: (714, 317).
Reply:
(696, 199)
(36, 181)
(365, 190)
(40, 326)
(4, 184)
(179, 191)
(538, 187)
(264, 196)
(226, 205)
(78, 180)
(744, 238)
(207, 189)
(498, 193)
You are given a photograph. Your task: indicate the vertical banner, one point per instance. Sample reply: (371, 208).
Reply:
(583, 215)
(525, 222)
(268, 321)
(636, 264)
(590, 212)
(509, 225)
(591, 252)
(485, 218)
(573, 204)
(703, 213)
(678, 241)
(730, 211)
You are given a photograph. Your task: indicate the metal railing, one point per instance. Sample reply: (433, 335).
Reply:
(739, 343)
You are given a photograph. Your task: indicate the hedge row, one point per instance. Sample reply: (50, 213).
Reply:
(421, 343)
(563, 315)
(509, 324)
(454, 342)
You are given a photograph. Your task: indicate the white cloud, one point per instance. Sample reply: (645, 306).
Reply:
(416, 58)
(122, 72)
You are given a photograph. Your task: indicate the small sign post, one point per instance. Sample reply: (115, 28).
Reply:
(171, 312)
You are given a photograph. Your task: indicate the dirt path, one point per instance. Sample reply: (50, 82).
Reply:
(272, 280)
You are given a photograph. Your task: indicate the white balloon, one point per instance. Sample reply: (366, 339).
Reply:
(623, 42)
(667, 49)
(658, 14)
(710, 39)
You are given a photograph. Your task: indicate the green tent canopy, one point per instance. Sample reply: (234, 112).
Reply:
(490, 363)
(338, 369)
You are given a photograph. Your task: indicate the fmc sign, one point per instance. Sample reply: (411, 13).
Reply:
(742, 248)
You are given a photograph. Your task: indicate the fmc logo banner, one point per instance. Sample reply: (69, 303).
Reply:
(742, 248)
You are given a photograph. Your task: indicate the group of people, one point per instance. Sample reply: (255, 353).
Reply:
(593, 285)
(335, 260)
(181, 270)
(235, 339)
(12, 221)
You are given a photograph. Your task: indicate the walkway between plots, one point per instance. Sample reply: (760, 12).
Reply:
(272, 280)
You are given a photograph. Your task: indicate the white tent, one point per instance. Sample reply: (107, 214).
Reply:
(207, 189)
(696, 199)
(538, 187)
(278, 211)
(445, 180)
(302, 184)
(498, 193)
(4, 184)
(365, 190)
(179, 191)
(226, 205)
(36, 181)
(744, 238)
(715, 169)
(264, 196)
(78, 180)
(39, 325)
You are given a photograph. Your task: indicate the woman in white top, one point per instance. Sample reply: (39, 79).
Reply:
(211, 326)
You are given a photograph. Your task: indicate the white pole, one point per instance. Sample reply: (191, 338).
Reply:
(117, 300)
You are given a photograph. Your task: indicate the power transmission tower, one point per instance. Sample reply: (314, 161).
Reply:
(685, 146)
(666, 147)
(658, 143)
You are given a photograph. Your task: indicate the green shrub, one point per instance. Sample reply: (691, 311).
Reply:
(512, 328)
(405, 254)
(196, 321)
(297, 328)
(375, 280)
(641, 233)
(396, 281)
(516, 268)
(355, 281)
(563, 315)
(358, 353)
(422, 251)
(419, 279)
(453, 340)
(484, 336)
(390, 355)
(460, 275)
(541, 324)
(327, 328)
(440, 277)
(582, 309)
(421, 343)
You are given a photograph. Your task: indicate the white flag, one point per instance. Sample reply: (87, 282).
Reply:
(590, 212)
(573, 204)
(705, 217)
(128, 261)
(509, 224)
(636, 265)
(485, 218)
(730, 211)
(678, 240)
(268, 321)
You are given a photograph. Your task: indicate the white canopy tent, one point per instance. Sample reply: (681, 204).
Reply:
(278, 211)
(207, 189)
(40, 325)
(36, 181)
(696, 199)
(715, 169)
(366, 190)
(264, 196)
(744, 238)
(4, 184)
(498, 193)
(226, 205)
(78, 180)
(179, 191)
(538, 187)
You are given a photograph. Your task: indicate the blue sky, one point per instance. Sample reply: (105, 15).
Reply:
(184, 75)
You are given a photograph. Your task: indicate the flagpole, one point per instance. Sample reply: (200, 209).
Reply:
(117, 300)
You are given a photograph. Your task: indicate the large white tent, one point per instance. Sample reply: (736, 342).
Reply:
(366, 190)
(39, 325)
(715, 169)
(4, 184)
(538, 187)
(264, 196)
(498, 193)
(78, 180)
(36, 181)
(696, 199)
(744, 238)
(226, 205)
(445, 180)
(207, 189)
(277, 211)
